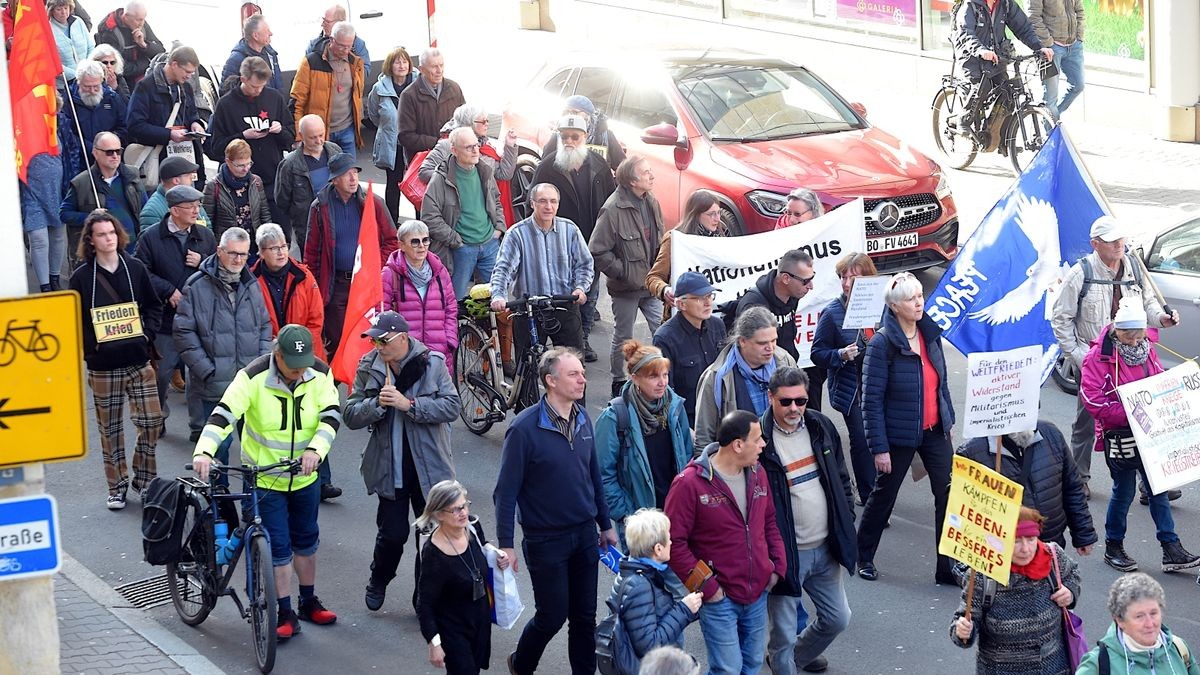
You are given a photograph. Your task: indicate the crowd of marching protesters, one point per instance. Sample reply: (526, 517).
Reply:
(715, 468)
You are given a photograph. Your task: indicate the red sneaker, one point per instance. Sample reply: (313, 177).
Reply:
(288, 625)
(312, 610)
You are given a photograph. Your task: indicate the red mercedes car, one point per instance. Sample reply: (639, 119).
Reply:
(749, 128)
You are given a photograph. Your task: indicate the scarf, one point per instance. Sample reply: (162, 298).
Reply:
(1038, 568)
(756, 379)
(1134, 355)
(232, 181)
(651, 414)
(231, 279)
(420, 277)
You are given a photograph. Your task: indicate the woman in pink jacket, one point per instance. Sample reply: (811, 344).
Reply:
(1124, 353)
(417, 285)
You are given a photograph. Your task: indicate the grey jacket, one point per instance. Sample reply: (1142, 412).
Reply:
(426, 426)
(440, 210)
(1058, 21)
(618, 245)
(219, 330)
(293, 190)
(708, 416)
(382, 107)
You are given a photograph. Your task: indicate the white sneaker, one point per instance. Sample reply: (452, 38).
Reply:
(115, 502)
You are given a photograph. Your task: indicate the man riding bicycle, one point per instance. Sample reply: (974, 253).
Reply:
(980, 42)
(288, 403)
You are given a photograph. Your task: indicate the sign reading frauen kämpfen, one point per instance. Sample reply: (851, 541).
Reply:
(1164, 413)
(733, 264)
(981, 519)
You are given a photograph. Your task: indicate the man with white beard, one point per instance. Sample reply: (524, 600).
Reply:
(97, 108)
(584, 181)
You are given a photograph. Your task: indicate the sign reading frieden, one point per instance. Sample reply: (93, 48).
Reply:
(1164, 413)
(733, 264)
(1003, 391)
(981, 519)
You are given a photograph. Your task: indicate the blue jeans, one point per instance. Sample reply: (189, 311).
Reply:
(164, 344)
(1123, 490)
(824, 582)
(471, 258)
(735, 635)
(588, 313)
(290, 519)
(345, 141)
(207, 407)
(1069, 61)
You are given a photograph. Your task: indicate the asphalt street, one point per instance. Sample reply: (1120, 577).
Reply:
(900, 622)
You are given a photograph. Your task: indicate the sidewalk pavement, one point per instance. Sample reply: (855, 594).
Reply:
(101, 634)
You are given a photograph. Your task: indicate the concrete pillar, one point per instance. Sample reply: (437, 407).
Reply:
(1176, 31)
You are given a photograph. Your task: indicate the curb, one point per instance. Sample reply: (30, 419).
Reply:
(164, 640)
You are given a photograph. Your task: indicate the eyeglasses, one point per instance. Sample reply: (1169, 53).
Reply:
(275, 249)
(236, 255)
(544, 201)
(712, 214)
(109, 63)
(381, 341)
(709, 298)
(799, 401)
(798, 214)
(111, 152)
(806, 282)
(415, 242)
(455, 510)
(482, 121)
(242, 166)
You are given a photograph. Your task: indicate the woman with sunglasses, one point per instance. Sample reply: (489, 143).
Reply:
(642, 437)
(107, 56)
(418, 286)
(454, 612)
(907, 412)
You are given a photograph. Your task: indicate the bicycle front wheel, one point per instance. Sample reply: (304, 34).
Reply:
(952, 139)
(190, 579)
(1027, 133)
(263, 599)
(475, 357)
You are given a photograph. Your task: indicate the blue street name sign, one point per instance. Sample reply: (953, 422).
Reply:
(29, 544)
(12, 476)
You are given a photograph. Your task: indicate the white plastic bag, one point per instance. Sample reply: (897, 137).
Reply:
(502, 587)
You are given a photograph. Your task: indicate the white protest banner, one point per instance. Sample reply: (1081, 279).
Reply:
(1164, 413)
(733, 264)
(865, 306)
(1002, 391)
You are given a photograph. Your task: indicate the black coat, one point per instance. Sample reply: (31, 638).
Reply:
(839, 497)
(763, 294)
(570, 206)
(982, 30)
(1052, 485)
(233, 117)
(691, 352)
(159, 251)
(651, 615)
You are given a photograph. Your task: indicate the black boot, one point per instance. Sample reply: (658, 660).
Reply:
(55, 284)
(1116, 557)
(1176, 557)
(45, 288)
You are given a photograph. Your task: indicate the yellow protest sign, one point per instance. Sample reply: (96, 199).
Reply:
(981, 519)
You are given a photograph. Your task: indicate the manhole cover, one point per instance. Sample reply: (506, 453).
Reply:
(147, 593)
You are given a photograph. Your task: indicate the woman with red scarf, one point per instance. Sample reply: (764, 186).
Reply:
(1020, 626)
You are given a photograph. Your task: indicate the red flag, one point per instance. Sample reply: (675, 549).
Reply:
(33, 66)
(366, 290)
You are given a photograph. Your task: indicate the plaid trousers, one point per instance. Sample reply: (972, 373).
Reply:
(109, 390)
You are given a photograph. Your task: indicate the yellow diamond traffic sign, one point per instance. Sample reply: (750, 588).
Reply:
(41, 382)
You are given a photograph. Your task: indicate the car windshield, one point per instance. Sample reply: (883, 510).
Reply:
(748, 102)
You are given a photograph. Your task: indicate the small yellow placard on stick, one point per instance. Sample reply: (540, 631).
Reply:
(981, 518)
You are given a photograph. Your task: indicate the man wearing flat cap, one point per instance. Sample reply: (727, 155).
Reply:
(303, 428)
(172, 171)
(403, 391)
(172, 251)
(332, 241)
(1087, 303)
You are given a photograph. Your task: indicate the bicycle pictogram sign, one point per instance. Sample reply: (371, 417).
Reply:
(27, 338)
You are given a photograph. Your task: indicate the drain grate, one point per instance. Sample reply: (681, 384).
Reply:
(147, 593)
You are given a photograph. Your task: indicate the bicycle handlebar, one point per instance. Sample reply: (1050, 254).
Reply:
(292, 466)
(540, 301)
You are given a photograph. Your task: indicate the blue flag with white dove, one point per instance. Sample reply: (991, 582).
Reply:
(999, 292)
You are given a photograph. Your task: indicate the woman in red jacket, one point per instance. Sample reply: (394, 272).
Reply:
(417, 285)
(289, 289)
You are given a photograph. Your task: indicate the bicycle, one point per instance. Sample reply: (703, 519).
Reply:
(197, 579)
(43, 346)
(1011, 122)
(485, 397)
(10, 565)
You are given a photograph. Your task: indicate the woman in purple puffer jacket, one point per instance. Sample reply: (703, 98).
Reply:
(417, 285)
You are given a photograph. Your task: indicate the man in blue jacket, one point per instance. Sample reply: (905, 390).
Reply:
(256, 41)
(550, 477)
(691, 338)
(814, 508)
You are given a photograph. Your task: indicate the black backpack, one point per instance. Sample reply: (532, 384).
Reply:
(614, 651)
(162, 520)
(728, 312)
(1089, 279)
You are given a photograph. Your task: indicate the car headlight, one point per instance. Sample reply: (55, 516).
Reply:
(943, 185)
(767, 203)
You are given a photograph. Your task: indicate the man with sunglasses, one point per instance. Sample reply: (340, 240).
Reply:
(814, 508)
(108, 184)
(403, 392)
(691, 338)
